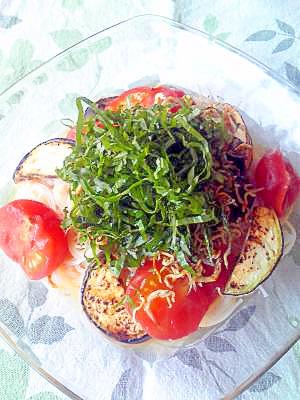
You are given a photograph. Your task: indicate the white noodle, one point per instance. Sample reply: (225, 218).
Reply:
(263, 291)
(54, 193)
(33, 190)
(75, 248)
(61, 195)
(220, 310)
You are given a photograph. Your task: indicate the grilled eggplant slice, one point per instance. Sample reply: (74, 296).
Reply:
(261, 253)
(102, 299)
(42, 161)
(102, 103)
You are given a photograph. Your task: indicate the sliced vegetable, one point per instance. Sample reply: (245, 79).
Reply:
(279, 182)
(146, 97)
(163, 301)
(103, 300)
(101, 104)
(142, 95)
(228, 117)
(42, 160)
(71, 134)
(30, 234)
(165, 94)
(234, 124)
(262, 251)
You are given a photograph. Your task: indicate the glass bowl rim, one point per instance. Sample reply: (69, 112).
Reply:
(269, 71)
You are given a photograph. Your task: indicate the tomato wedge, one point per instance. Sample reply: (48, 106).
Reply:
(279, 182)
(72, 133)
(172, 311)
(30, 234)
(146, 97)
(142, 95)
(165, 94)
(164, 306)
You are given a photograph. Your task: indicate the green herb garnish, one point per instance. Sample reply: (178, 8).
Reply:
(136, 178)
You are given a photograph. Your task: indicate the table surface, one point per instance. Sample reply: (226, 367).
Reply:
(33, 31)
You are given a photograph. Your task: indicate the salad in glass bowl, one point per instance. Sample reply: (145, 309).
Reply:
(156, 206)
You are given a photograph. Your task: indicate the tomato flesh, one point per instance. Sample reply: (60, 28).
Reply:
(72, 133)
(166, 320)
(189, 307)
(144, 96)
(278, 180)
(30, 234)
(165, 94)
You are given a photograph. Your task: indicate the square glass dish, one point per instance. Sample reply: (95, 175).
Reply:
(46, 326)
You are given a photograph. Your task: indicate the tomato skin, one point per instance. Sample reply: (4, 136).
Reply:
(146, 97)
(174, 322)
(280, 183)
(294, 187)
(72, 133)
(30, 234)
(142, 95)
(166, 94)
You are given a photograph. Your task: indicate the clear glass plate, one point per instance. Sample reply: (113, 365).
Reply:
(47, 327)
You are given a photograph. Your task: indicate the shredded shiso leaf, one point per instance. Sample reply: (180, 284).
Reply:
(135, 180)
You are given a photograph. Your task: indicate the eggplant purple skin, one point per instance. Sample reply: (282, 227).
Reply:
(100, 104)
(109, 334)
(55, 140)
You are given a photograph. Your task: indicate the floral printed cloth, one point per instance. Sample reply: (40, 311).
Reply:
(32, 32)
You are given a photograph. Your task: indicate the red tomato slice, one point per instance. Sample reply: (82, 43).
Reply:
(146, 97)
(30, 234)
(294, 187)
(280, 183)
(167, 318)
(142, 95)
(168, 92)
(165, 94)
(186, 312)
(72, 133)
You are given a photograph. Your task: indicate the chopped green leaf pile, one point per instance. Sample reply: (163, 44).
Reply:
(135, 180)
